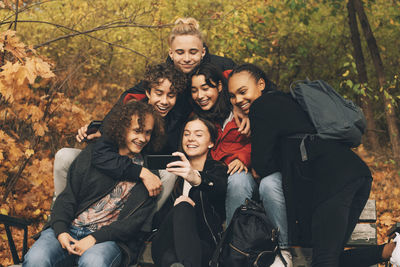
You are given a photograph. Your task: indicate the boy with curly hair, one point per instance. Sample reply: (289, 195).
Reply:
(163, 85)
(97, 219)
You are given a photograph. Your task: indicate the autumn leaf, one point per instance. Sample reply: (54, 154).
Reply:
(36, 212)
(39, 129)
(3, 211)
(29, 152)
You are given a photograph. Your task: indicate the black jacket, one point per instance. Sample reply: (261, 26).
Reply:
(330, 167)
(86, 185)
(209, 197)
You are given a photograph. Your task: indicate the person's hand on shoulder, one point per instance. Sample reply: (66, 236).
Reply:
(151, 181)
(242, 120)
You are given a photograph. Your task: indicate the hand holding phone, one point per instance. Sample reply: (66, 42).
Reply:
(87, 130)
(184, 169)
(159, 162)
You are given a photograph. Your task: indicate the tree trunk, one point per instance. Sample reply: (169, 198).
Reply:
(390, 113)
(371, 136)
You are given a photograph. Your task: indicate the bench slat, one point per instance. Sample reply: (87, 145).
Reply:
(302, 257)
(363, 235)
(369, 212)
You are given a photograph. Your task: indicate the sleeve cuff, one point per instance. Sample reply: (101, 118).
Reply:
(59, 227)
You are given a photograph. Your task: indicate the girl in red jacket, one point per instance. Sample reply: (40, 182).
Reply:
(210, 101)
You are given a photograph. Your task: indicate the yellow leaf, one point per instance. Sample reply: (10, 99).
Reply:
(29, 152)
(346, 73)
(4, 237)
(36, 212)
(3, 211)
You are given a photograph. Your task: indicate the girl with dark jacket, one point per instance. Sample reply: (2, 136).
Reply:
(325, 194)
(210, 99)
(97, 219)
(189, 233)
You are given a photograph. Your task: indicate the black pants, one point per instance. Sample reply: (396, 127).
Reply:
(178, 240)
(334, 220)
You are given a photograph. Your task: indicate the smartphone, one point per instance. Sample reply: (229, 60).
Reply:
(93, 127)
(159, 162)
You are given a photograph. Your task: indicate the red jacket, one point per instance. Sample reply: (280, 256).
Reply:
(231, 145)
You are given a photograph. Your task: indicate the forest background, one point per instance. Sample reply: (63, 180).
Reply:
(64, 63)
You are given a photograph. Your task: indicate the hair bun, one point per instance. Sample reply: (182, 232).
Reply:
(188, 21)
(185, 26)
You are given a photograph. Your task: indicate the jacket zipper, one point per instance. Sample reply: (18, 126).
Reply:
(135, 209)
(205, 219)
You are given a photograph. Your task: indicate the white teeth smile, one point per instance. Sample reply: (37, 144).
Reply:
(244, 106)
(203, 102)
(138, 144)
(162, 108)
(191, 146)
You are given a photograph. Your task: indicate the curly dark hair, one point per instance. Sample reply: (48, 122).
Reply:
(156, 73)
(120, 120)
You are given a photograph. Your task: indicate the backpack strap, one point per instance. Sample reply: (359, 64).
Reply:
(281, 256)
(303, 137)
(215, 258)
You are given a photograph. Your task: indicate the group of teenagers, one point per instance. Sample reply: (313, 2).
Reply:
(228, 125)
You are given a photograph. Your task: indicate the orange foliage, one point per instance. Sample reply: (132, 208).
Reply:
(36, 119)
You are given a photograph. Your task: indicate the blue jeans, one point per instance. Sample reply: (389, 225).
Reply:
(241, 186)
(47, 252)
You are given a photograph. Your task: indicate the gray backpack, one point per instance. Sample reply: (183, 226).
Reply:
(332, 116)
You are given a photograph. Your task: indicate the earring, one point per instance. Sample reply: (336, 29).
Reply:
(210, 146)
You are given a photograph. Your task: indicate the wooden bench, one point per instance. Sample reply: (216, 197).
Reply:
(364, 234)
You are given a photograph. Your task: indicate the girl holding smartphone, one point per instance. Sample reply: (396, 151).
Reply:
(190, 232)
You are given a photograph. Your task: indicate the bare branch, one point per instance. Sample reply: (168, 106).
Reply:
(110, 25)
(27, 8)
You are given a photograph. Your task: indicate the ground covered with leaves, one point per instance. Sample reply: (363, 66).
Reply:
(35, 203)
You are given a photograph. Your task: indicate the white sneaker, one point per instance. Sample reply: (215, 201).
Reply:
(287, 256)
(395, 258)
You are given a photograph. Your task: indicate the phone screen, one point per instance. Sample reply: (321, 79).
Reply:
(159, 162)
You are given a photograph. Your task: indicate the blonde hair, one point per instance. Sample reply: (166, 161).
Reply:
(185, 26)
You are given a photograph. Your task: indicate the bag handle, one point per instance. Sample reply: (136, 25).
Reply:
(292, 84)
